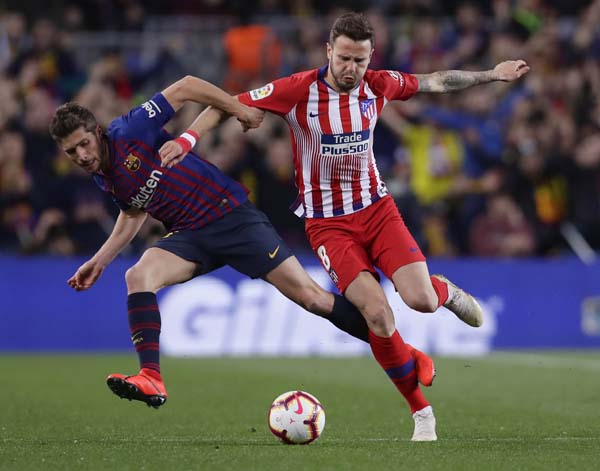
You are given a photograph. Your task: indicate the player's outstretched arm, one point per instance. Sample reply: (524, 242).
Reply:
(453, 80)
(127, 226)
(191, 88)
(221, 105)
(173, 152)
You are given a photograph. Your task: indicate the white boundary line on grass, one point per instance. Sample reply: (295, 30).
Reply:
(239, 441)
(489, 439)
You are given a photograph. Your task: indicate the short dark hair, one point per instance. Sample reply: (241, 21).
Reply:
(68, 118)
(353, 25)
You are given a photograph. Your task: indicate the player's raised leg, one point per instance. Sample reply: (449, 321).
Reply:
(156, 269)
(294, 282)
(390, 351)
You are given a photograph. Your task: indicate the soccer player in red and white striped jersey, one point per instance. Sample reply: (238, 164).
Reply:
(352, 223)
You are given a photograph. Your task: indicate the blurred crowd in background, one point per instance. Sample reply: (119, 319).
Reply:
(496, 170)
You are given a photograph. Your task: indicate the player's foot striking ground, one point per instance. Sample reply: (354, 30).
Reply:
(143, 387)
(424, 425)
(461, 303)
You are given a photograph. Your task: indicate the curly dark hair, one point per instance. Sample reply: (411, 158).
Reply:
(353, 25)
(70, 117)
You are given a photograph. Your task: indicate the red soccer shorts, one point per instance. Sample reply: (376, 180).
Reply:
(373, 237)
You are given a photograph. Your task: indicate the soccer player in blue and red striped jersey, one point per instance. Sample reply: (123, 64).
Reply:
(209, 220)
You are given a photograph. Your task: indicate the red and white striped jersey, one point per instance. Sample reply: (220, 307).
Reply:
(332, 136)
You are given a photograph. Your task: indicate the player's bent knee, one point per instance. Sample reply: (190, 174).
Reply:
(137, 279)
(422, 302)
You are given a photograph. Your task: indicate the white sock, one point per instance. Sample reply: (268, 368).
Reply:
(425, 411)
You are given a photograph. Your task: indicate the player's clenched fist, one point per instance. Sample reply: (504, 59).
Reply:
(249, 117)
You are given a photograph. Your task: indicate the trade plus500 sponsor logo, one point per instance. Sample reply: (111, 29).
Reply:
(344, 144)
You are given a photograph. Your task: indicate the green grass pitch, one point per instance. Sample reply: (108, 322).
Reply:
(509, 411)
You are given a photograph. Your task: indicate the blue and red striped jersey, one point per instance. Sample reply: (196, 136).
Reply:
(188, 196)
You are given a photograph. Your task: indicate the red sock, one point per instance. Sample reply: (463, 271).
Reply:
(441, 289)
(395, 358)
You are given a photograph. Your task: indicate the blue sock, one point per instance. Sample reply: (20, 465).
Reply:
(144, 326)
(345, 316)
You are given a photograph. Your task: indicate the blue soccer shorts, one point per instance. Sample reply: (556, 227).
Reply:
(244, 239)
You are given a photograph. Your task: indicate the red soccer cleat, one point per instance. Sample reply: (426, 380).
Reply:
(424, 366)
(143, 386)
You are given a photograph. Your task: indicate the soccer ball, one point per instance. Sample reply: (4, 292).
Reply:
(296, 417)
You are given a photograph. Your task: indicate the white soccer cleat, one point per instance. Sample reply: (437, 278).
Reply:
(462, 304)
(424, 425)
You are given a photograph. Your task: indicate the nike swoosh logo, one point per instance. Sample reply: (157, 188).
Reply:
(273, 254)
(314, 115)
(299, 410)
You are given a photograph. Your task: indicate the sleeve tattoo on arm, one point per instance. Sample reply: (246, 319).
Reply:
(452, 80)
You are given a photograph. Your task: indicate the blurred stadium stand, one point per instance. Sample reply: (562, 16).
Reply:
(496, 171)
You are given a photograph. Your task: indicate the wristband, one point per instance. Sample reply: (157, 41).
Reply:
(187, 140)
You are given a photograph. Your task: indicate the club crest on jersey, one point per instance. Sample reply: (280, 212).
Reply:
(367, 108)
(262, 92)
(345, 144)
(132, 163)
